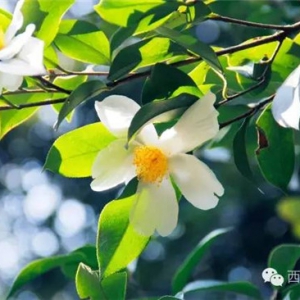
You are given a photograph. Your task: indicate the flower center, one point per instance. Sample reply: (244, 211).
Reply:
(151, 164)
(2, 44)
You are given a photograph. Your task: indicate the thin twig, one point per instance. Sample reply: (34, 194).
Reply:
(34, 104)
(217, 17)
(250, 112)
(47, 83)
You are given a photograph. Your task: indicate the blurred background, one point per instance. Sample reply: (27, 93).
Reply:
(44, 214)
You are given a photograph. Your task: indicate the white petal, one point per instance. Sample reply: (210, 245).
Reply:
(16, 22)
(17, 43)
(196, 181)
(113, 165)
(148, 135)
(155, 207)
(33, 54)
(293, 79)
(286, 107)
(116, 113)
(197, 125)
(10, 82)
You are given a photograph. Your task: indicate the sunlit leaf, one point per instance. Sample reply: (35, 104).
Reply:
(73, 154)
(117, 243)
(46, 15)
(144, 53)
(83, 41)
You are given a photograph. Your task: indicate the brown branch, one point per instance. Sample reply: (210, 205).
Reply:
(216, 17)
(47, 83)
(250, 112)
(34, 104)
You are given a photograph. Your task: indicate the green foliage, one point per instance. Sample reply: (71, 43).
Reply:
(184, 272)
(81, 94)
(194, 45)
(73, 153)
(283, 258)
(166, 82)
(144, 53)
(242, 288)
(83, 41)
(45, 16)
(117, 243)
(36, 268)
(275, 153)
(240, 151)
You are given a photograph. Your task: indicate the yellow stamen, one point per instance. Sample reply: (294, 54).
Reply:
(2, 44)
(151, 164)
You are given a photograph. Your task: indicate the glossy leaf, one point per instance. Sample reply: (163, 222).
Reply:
(184, 272)
(88, 283)
(83, 41)
(144, 53)
(153, 109)
(142, 15)
(41, 266)
(117, 242)
(240, 152)
(69, 83)
(283, 259)
(83, 93)
(275, 153)
(242, 288)
(46, 16)
(166, 82)
(73, 153)
(9, 119)
(194, 45)
(114, 286)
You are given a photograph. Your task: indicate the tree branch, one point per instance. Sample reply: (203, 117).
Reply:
(250, 112)
(34, 104)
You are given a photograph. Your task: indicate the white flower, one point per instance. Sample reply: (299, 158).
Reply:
(155, 160)
(20, 55)
(286, 104)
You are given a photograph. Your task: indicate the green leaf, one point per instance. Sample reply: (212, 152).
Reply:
(275, 153)
(88, 283)
(9, 119)
(169, 298)
(283, 259)
(83, 93)
(142, 15)
(73, 153)
(83, 41)
(41, 266)
(291, 292)
(184, 272)
(46, 15)
(156, 108)
(243, 288)
(144, 53)
(289, 209)
(240, 152)
(194, 45)
(114, 286)
(166, 82)
(130, 188)
(69, 83)
(117, 242)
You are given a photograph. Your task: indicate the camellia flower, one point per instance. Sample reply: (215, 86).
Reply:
(20, 55)
(155, 160)
(286, 104)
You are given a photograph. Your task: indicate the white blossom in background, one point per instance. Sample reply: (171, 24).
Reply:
(155, 160)
(286, 104)
(20, 54)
